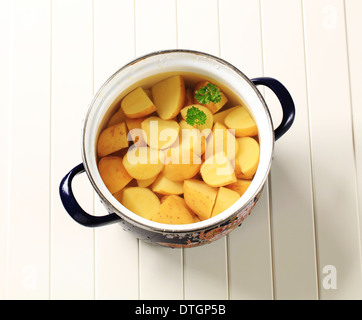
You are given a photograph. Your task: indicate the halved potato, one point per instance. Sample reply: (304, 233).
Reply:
(191, 139)
(169, 96)
(137, 104)
(247, 158)
(113, 173)
(141, 201)
(209, 117)
(147, 182)
(213, 107)
(135, 131)
(116, 118)
(240, 120)
(160, 134)
(224, 199)
(173, 210)
(143, 163)
(112, 139)
(218, 171)
(165, 186)
(220, 116)
(240, 186)
(199, 197)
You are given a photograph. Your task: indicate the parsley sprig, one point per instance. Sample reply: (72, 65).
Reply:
(208, 93)
(195, 116)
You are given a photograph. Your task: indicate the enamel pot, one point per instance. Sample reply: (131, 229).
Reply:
(211, 67)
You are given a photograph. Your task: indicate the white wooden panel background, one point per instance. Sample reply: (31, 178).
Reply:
(55, 54)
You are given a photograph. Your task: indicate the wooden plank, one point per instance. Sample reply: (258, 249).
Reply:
(294, 255)
(5, 111)
(28, 255)
(354, 30)
(335, 198)
(116, 251)
(205, 275)
(160, 268)
(250, 265)
(72, 250)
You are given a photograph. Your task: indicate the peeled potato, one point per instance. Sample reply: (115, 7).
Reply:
(240, 186)
(213, 107)
(165, 186)
(178, 167)
(143, 163)
(222, 140)
(220, 116)
(169, 96)
(147, 182)
(173, 210)
(224, 199)
(160, 134)
(112, 139)
(191, 139)
(209, 117)
(137, 104)
(113, 173)
(135, 131)
(247, 158)
(240, 120)
(199, 197)
(218, 171)
(141, 201)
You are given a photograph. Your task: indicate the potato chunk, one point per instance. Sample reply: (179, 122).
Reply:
(173, 210)
(224, 199)
(240, 120)
(160, 134)
(240, 186)
(213, 107)
(217, 171)
(113, 173)
(143, 163)
(199, 197)
(165, 186)
(169, 96)
(141, 201)
(209, 117)
(116, 118)
(112, 139)
(247, 158)
(137, 104)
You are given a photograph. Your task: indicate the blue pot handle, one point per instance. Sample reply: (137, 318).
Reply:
(285, 100)
(74, 209)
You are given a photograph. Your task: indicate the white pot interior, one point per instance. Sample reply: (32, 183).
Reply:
(175, 61)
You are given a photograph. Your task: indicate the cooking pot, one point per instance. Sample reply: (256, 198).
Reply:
(211, 67)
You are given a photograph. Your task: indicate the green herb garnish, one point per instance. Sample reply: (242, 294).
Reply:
(195, 116)
(208, 93)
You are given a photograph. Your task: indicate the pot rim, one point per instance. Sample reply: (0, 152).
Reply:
(167, 228)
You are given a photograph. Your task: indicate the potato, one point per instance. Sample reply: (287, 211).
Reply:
(199, 197)
(224, 199)
(141, 201)
(240, 186)
(173, 210)
(179, 168)
(137, 104)
(112, 139)
(213, 107)
(169, 96)
(221, 140)
(218, 171)
(240, 120)
(135, 131)
(160, 134)
(209, 117)
(142, 163)
(165, 186)
(220, 116)
(191, 139)
(147, 182)
(113, 173)
(116, 118)
(247, 158)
